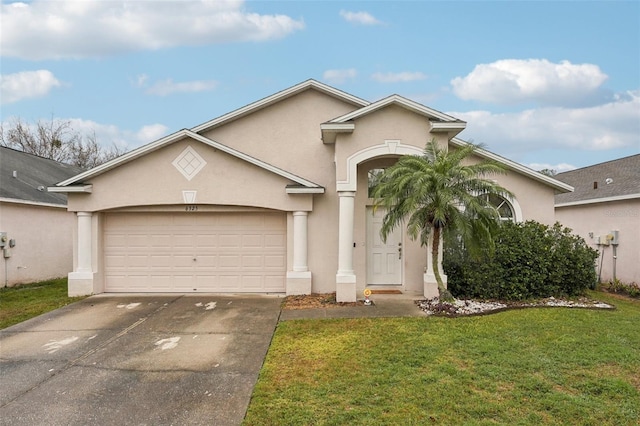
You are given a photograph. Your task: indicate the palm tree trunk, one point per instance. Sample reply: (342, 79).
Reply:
(445, 295)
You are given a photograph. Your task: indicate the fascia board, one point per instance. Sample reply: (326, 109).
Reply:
(598, 200)
(125, 158)
(394, 99)
(32, 203)
(439, 126)
(298, 190)
(338, 127)
(273, 169)
(262, 103)
(88, 189)
(556, 184)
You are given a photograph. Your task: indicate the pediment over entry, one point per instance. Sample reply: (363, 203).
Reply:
(185, 165)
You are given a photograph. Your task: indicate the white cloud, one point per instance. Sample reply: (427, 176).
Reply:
(613, 125)
(362, 18)
(512, 81)
(339, 76)
(107, 134)
(391, 77)
(151, 132)
(169, 87)
(141, 80)
(75, 29)
(558, 168)
(26, 84)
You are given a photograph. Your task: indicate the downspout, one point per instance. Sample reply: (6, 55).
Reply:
(615, 256)
(600, 269)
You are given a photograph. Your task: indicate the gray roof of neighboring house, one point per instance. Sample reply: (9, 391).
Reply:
(616, 178)
(33, 175)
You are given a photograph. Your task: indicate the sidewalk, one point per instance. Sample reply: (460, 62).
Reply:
(384, 305)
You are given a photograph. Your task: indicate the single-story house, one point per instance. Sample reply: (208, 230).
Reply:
(272, 198)
(35, 225)
(604, 209)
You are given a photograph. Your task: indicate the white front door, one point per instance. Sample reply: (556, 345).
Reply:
(384, 260)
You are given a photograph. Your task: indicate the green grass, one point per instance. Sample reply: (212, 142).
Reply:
(549, 366)
(26, 301)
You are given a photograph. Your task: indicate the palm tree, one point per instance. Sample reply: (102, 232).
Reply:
(436, 192)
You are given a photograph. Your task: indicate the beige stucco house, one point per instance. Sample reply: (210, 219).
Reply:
(269, 198)
(604, 209)
(36, 225)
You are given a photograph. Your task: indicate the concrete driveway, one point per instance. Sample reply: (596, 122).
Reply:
(137, 360)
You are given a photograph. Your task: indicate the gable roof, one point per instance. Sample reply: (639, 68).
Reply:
(524, 170)
(301, 184)
(277, 97)
(401, 101)
(25, 177)
(439, 121)
(609, 181)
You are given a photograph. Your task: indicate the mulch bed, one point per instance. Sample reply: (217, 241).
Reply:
(316, 300)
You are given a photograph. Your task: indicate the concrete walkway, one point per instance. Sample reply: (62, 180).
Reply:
(384, 305)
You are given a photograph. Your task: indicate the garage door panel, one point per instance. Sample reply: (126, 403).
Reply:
(277, 262)
(206, 241)
(230, 241)
(274, 240)
(252, 261)
(233, 252)
(206, 261)
(272, 283)
(229, 282)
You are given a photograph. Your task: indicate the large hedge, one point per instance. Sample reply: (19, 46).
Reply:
(530, 260)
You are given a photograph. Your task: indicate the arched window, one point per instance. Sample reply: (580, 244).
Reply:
(504, 208)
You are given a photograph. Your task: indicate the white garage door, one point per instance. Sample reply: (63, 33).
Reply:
(195, 252)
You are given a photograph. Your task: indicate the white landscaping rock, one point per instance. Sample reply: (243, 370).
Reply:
(474, 307)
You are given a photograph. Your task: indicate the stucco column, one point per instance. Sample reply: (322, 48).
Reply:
(80, 282)
(299, 278)
(300, 242)
(84, 242)
(346, 278)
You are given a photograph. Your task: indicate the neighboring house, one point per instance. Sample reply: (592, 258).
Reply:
(37, 226)
(604, 209)
(270, 198)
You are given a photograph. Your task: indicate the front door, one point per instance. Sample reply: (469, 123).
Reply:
(384, 260)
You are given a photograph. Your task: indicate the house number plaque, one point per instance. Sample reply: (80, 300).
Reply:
(191, 208)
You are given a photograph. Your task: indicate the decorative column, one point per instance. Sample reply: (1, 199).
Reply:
(346, 278)
(300, 242)
(84, 242)
(81, 280)
(299, 279)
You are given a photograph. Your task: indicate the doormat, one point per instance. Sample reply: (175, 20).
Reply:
(386, 292)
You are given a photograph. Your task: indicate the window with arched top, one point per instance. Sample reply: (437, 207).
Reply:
(504, 208)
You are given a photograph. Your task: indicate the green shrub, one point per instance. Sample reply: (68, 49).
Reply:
(530, 260)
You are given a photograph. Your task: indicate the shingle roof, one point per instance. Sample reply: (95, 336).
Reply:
(33, 175)
(610, 179)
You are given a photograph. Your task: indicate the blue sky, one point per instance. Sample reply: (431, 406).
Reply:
(547, 84)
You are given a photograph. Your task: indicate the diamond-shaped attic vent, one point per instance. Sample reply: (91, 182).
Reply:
(189, 163)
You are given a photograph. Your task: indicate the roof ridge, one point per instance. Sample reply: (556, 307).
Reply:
(600, 164)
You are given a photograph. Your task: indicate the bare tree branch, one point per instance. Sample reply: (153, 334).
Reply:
(57, 140)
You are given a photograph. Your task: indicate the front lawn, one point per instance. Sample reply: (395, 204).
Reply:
(552, 366)
(22, 302)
